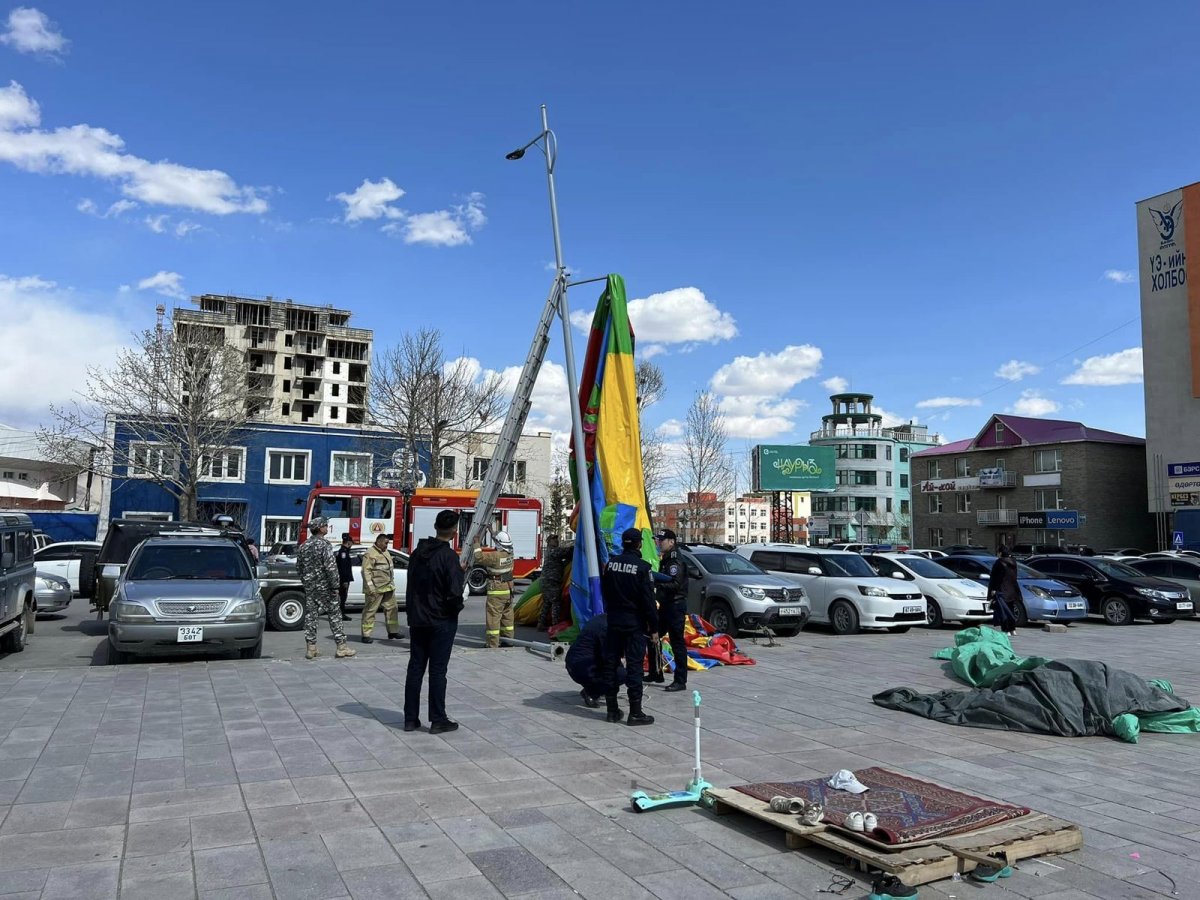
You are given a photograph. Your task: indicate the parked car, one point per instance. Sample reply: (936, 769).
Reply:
(1122, 551)
(41, 540)
(949, 597)
(1182, 571)
(848, 547)
(1118, 592)
(964, 548)
(1020, 551)
(733, 593)
(281, 552)
(843, 590)
(1042, 599)
(17, 581)
(51, 594)
(929, 554)
(73, 560)
(1173, 554)
(186, 593)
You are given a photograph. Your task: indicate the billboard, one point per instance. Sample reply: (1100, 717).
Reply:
(792, 467)
(1183, 484)
(1055, 519)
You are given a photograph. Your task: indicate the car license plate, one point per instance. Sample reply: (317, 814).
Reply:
(190, 634)
(1183, 606)
(1075, 604)
(790, 611)
(914, 609)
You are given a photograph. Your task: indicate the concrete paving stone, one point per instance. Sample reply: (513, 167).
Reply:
(270, 793)
(255, 759)
(159, 785)
(173, 886)
(350, 766)
(209, 776)
(515, 794)
(514, 870)
(773, 890)
(384, 883)
(207, 755)
(158, 769)
(680, 884)
(515, 818)
(474, 833)
(632, 857)
(443, 803)
(15, 768)
(221, 830)
(159, 749)
(49, 783)
(472, 888)
(301, 869)
(157, 864)
(321, 787)
(120, 762)
(87, 812)
(269, 773)
(156, 838)
(95, 881)
(27, 818)
(394, 781)
(597, 879)
(230, 867)
(157, 806)
(435, 859)
(359, 848)
(75, 846)
(9, 791)
(75, 755)
(31, 881)
(309, 768)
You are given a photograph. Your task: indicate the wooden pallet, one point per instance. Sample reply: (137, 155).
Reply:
(1036, 834)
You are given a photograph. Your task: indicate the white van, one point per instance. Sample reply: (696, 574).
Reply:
(842, 588)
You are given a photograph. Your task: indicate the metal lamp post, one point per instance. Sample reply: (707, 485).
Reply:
(548, 144)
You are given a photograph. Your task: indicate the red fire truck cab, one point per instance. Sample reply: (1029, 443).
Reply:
(364, 512)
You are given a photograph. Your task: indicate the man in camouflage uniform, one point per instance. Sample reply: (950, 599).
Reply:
(319, 575)
(553, 569)
(498, 561)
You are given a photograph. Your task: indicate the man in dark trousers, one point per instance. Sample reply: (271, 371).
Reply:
(433, 600)
(585, 661)
(1004, 590)
(671, 586)
(627, 586)
(345, 573)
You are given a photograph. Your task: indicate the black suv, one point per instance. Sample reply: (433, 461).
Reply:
(1116, 591)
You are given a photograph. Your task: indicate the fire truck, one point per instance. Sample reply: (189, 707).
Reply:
(364, 512)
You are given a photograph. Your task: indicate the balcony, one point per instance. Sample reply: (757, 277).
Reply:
(996, 517)
(868, 431)
(990, 480)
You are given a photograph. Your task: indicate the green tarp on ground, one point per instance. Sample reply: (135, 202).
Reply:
(981, 655)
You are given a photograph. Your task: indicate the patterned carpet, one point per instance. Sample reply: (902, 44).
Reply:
(908, 809)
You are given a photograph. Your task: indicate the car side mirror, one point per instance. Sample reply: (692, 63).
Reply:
(986, 577)
(694, 572)
(814, 570)
(260, 570)
(110, 572)
(6, 560)
(899, 575)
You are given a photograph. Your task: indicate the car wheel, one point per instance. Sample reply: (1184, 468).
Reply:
(934, 613)
(286, 612)
(843, 617)
(115, 656)
(720, 617)
(14, 641)
(477, 580)
(1020, 614)
(254, 652)
(1116, 611)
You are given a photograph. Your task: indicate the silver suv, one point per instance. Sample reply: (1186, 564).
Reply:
(186, 594)
(733, 593)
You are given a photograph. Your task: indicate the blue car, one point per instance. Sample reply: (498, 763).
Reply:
(1042, 599)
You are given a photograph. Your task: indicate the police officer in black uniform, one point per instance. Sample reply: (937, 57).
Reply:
(671, 586)
(627, 586)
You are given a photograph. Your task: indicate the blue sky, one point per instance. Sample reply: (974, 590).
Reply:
(904, 196)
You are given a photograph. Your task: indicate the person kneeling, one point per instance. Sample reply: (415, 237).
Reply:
(585, 662)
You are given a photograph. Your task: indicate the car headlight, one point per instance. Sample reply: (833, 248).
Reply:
(1040, 592)
(752, 593)
(952, 591)
(871, 591)
(125, 611)
(247, 610)
(1152, 593)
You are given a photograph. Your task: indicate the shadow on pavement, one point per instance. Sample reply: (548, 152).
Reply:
(90, 627)
(389, 717)
(564, 702)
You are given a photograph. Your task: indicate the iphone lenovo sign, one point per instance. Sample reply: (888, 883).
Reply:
(1050, 519)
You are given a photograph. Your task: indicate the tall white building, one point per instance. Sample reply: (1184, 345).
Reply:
(305, 364)
(464, 464)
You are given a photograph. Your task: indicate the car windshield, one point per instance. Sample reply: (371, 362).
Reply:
(223, 562)
(1116, 569)
(848, 564)
(927, 568)
(726, 564)
(1023, 571)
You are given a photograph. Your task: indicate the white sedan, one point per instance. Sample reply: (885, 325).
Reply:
(73, 561)
(948, 596)
(356, 598)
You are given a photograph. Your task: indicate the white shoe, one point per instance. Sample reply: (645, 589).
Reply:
(854, 821)
(870, 822)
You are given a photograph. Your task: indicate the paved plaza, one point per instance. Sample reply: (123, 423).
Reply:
(292, 779)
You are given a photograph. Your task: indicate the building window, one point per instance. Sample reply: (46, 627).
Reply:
(904, 507)
(1048, 498)
(858, 477)
(333, 412)
(888, 451)
(962, 467)
(935, 468)
(287, 340)
(856, 451)
(446, 468)
(224, 465)
(151, 460)
(350, 468)
(1043, 536)
(935, 537)
(935, 503)
(999, 432)
(516, 471)
(1048, 460)
(280, 529)
(9, 475)
(287, 385)
(964, 502)
(865, 504)
(964, 536)
(903, 454)
(287, 409)
(334, 390)
(903, 480)
(337, 370)
(287, 466)
(888, 504)
(887, 479)
(22, 476)
(287, 361)
(479, 467)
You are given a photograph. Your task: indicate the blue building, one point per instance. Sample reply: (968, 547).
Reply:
(262, 480)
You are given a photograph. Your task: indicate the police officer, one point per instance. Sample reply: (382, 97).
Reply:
(627, 587)
(345, 566)
(319, 575)
(671, 586)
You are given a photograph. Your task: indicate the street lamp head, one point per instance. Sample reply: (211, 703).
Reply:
(516, 154)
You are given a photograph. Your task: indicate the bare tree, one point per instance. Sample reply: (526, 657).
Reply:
(650, 383)
(705, 474)
(651, 387)
(169, 411)
(418, 394)
(557, 519)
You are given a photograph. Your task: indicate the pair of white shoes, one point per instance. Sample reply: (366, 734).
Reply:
(858, 821)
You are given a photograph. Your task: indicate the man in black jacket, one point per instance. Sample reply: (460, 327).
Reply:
(585, 661)
(345, 572)
(627, 587)
(433, 600)
(671, 586)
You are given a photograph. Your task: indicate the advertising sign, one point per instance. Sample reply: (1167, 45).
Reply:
(948, 485)
(1183, 484)
(818, 527)
(791, 467)
(1055, 519)
(991, 477)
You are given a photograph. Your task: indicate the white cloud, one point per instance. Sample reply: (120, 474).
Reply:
(157, 224)
(767, 374)
(890, 419)
(649, 351)
(89, 151)
(679, 316)
(670, 428)
(38, 315)
(1122, 367)
(759, 417)
(1120, 276)
(443, 228)
(169, 284)
(1032, 403)
(836, 385)
(30, 31)
(947, 402)
(372, 200)
(89, 207)
(1015, 370)
(184, 228)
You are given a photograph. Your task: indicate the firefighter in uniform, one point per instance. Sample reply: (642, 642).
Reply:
(671, 586)
(627, 586)
(319, 575)
(498, 561)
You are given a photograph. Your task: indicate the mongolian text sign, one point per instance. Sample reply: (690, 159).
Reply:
(792, 467)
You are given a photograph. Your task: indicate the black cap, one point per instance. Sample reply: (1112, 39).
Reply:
(631, 537)
(665, 534)
(446, 519)
(346, 536)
